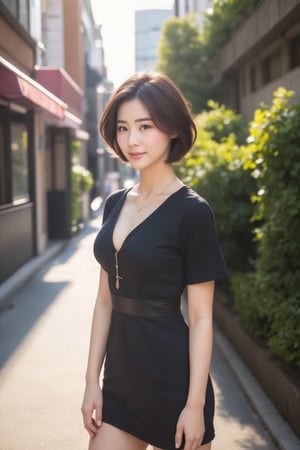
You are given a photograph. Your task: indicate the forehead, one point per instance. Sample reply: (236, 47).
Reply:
(132, 109)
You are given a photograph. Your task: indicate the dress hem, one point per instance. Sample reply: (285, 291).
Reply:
(116, 424)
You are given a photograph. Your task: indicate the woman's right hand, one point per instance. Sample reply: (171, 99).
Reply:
(92, 408)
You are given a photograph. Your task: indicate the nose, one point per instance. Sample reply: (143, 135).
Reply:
(133, 137)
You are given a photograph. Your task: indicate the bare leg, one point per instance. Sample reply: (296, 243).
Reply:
(111, 437)
(206, 446)
(202, 447)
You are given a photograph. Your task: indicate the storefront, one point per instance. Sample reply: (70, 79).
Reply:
(36, 132)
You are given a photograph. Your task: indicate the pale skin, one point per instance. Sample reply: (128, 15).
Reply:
(146, 148)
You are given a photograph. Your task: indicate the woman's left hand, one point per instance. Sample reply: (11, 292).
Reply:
(191, 425)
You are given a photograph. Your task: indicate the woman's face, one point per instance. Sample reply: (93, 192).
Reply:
(141, 142)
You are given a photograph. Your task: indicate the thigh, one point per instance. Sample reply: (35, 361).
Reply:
(202, 447)
(111, 437)
(205, 446)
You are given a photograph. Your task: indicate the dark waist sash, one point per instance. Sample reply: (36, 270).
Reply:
(146, 308)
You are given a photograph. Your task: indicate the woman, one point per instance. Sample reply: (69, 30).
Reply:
(157, 240)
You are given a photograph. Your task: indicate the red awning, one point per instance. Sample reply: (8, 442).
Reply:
(16, 85)
(59, 82)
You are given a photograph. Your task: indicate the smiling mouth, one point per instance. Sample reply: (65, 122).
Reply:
(136, 155)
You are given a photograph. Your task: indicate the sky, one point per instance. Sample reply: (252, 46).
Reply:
(117, 20)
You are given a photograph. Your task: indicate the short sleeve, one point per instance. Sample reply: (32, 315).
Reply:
(110, 203)
(203, 258)
(106, 209)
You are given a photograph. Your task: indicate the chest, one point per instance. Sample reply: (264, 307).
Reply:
(150, 256)
(149, 259)
(130, 219)
(139, 242)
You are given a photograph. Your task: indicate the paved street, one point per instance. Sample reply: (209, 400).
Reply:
(44, 341)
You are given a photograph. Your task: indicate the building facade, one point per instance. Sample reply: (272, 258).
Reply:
(148, 24)
(183, 8)
(42, 116)
(262, 54)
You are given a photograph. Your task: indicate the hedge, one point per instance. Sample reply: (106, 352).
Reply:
(254, 190)
(216, 169)
(268, 299)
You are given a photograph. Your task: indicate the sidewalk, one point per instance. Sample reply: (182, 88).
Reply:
(44, 336)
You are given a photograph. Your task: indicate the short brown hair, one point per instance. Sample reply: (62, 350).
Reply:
(166, 104)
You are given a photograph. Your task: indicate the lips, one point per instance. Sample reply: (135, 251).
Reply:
(136, 155)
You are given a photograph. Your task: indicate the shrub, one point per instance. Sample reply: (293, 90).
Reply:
(269, 299)
(221, 122)
(81, 181)
(215, 169)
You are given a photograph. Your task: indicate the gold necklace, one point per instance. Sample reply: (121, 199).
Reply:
(140, 208)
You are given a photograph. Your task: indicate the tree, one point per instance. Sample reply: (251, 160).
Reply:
(221, 20)
(181, 57)
(191, 58)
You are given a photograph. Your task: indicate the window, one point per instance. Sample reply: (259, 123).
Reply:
(3, 194)
(266, 71)
(271, 68)
(14, 162)
(20, 10)
(19, 163)
(24, 14)
(295, 52)
(12, 6)
(243, 84)
(253, 79)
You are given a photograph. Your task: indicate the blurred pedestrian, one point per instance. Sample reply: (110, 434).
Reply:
(106, 189)
(158, 239)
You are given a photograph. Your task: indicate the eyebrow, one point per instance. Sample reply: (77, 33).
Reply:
(142, 119)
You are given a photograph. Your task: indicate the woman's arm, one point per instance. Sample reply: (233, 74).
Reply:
(191, 420)
(92, 401)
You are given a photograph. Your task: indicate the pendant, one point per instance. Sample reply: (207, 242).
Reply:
(117, 276)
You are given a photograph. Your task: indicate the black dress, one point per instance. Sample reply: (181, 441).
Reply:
(146, 373)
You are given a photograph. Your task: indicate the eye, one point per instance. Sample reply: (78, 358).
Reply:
(121, 128)
(146, 126)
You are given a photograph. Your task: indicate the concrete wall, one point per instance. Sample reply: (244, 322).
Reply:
(53, 34)
(268, 20)
(73, 41)
(257, 59)
(14, 48)
(291, 80)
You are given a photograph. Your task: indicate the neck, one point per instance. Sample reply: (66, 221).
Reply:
(150, 184)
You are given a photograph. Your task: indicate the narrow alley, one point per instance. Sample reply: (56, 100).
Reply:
(44, 336)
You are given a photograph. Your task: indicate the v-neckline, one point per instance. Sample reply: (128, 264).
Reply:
(123, 198)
